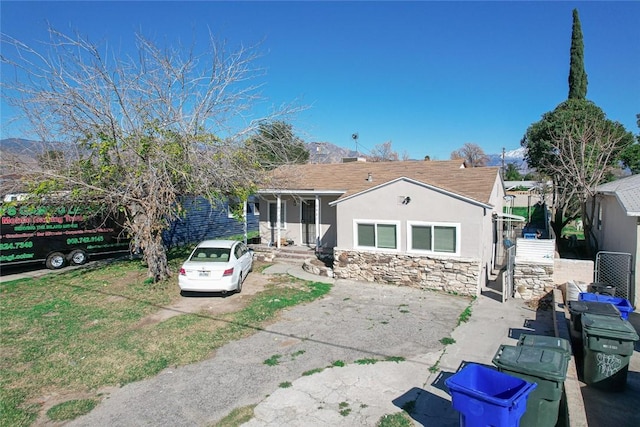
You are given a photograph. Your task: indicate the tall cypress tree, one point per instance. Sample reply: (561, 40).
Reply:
(577, 74)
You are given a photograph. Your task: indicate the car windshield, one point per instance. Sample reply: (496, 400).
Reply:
(211, 255)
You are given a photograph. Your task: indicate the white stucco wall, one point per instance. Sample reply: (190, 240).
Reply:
(385, 204)
(293, 227)
(620, 233)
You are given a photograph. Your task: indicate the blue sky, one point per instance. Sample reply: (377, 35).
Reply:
(427, 76)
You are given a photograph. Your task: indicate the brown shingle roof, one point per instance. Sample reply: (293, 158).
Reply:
(474, 183)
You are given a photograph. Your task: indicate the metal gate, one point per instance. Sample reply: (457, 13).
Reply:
(614, 268)
(507, 276)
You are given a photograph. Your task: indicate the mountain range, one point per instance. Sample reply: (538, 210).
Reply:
(319, 152)
(326, 152)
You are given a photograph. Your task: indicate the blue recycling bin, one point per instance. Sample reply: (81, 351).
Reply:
(622, 304)
(486, 397)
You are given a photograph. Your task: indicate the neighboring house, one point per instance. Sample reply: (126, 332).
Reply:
(527, 193)
(203, 221)
(617, 223)
(425, 223)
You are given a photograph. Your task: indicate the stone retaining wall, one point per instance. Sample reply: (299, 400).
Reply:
(460, 276)
(532, 281)
(314, 266)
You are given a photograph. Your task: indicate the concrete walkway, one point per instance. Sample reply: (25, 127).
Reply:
(356, 321)
(316, 400)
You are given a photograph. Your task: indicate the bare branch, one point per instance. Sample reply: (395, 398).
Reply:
(142, 131)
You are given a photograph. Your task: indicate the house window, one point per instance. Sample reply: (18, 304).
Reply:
(234, 205)
(273, 215)
(435, 238)
(376, 235)
(253, 208)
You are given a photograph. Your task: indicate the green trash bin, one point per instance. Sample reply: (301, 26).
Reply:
(545, 341)
(607, 344)
(547, 367)
(578, 308)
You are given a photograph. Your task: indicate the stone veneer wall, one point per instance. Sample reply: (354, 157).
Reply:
(455, 275)
(533, 280)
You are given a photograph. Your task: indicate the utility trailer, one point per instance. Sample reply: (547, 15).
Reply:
(57, 235)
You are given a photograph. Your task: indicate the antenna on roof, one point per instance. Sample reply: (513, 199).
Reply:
(355, 137)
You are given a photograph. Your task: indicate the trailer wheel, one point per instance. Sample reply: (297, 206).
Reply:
(78, 257)
(55, 261)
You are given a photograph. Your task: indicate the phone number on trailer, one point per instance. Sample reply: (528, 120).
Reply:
(15, 245)
(89, 239)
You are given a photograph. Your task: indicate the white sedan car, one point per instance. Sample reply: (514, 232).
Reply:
(216, 266)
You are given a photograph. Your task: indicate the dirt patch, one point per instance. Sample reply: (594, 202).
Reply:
(209, 303)
(52, 399)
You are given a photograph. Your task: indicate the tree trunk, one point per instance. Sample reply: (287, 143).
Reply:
(557, 224)
(590, 238)
(155, 256)
(147, 230)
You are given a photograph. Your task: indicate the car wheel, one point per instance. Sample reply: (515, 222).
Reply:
(239, 285)
(55, 261)
(78, 257)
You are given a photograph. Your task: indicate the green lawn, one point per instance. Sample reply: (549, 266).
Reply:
(70, 334)
(568, 230)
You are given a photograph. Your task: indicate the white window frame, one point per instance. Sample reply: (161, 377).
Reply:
(411, 224)
(283, 214)
(253, 207)
(375, 223)
(229, 203)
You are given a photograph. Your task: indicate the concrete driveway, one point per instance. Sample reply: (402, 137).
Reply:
(355, 321)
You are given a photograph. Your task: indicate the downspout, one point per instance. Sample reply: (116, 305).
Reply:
(317, 215)
(278, 219)
(244, 215)
(483, 265)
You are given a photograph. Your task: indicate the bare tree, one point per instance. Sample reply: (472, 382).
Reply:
(139, 132)
(584, 153)
(472, 154)
(383, 153)
(577, 147)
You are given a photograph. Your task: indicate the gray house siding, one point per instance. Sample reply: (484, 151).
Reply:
(618, 232)
(293, 229)
(385, 204)
(405, 203)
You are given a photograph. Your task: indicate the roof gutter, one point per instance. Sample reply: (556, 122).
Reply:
(273, 191)
(510, 216)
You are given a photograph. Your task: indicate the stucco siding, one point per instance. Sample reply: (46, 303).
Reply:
(293, 228)
(386, 204)
(490, 234)
(328, 233)
(618, 232)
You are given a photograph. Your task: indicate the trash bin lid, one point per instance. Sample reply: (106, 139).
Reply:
(608, 327)
(540, 362)
(545, 342)
(620, 303)
(593, 307)
(489, 385)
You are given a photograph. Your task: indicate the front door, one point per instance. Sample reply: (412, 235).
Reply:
(308, 216)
